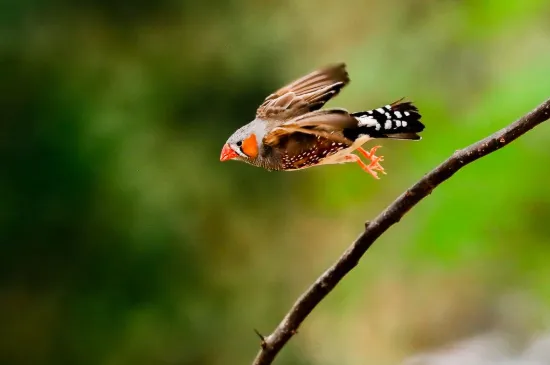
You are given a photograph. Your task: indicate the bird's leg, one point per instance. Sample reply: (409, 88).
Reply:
(374, 160)
(369, 154)
(364, 166)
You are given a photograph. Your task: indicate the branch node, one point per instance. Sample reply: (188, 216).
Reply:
(367, 224)
(263, 343)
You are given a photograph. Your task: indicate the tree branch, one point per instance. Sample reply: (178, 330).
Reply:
(272, 344)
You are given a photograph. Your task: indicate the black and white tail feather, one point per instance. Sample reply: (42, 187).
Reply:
(399, 120)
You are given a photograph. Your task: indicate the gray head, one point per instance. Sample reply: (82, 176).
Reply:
(245, 143)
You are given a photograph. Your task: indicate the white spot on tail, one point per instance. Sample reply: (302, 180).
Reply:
(388, 107)
(388, 124)
(380, 110)
(368, 121)
(407, 114)
(397, 123)
(404, 124)
(397, 114)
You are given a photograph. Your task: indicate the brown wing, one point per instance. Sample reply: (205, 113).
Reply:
(306, 94)
(326, 124)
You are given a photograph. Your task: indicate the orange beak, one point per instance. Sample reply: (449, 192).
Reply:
(227, 153)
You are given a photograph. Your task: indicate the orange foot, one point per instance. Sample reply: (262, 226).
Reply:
(374, 160)
(371, 169)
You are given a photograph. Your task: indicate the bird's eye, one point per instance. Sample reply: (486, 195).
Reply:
(239, 144)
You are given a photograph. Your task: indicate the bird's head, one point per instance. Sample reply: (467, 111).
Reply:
(243, 145)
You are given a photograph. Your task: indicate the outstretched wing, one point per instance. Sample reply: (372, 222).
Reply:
(304, 95)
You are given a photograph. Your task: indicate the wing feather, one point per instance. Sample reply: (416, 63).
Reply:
(304, 95)
(328, 124)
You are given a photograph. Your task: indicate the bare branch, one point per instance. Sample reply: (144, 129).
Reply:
(272, 344)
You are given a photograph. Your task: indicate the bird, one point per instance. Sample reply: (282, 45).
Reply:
(292, 132)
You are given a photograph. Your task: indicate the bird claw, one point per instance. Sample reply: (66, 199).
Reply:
(374, 161)
(370, 155)
(371, 169)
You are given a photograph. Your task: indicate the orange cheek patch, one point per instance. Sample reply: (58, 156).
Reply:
(250, 146)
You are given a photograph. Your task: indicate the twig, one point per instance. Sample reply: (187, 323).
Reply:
(272, 344)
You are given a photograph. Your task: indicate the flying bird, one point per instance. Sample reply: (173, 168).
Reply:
(292, 132)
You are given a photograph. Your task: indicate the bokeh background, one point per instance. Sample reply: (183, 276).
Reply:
(124, 240)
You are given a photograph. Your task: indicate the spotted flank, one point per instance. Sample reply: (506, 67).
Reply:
(399, 120)
(313, 155)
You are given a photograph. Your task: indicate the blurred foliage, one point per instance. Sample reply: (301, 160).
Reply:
(125, 241)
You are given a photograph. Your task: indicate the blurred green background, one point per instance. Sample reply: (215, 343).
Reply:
(124, 240)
